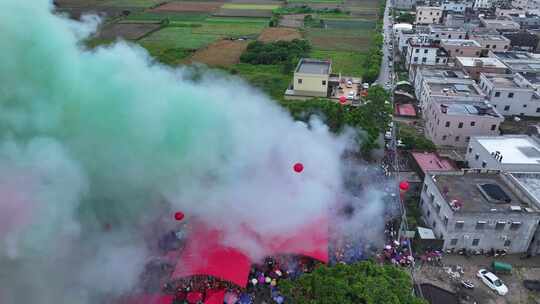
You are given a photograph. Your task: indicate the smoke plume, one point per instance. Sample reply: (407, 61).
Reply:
(97, 146)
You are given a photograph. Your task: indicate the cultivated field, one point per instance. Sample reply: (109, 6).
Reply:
(345, 62)
(272, 34)
(339, 39)
(187, 7)
(243, 13)
(129, 31)
(221, 53)
(177, 37)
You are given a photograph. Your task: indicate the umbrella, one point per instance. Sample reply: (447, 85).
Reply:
(279, 299)
(245, 299)
(194, 297)
(230, 298)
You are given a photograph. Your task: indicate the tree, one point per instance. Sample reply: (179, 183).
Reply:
(363, 282)
(406, 18)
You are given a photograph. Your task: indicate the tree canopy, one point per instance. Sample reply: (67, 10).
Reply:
(275, 52)
(360, 283)
(405, 18)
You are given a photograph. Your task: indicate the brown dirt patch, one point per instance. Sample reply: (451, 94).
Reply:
(130, 31)
(188, 7)
(243, 13)
(272, 34)
(293, 20)
(221, 53)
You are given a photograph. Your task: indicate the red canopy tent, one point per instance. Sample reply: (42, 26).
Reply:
(205, 255)
(215, 296)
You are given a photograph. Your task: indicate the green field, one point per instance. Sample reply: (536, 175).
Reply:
(149, 16)
(130, 3)
(346, 63)
(241, 6)
(176, 37)
(339, 39)
(315, 1)
(250, 20)
(268, 78)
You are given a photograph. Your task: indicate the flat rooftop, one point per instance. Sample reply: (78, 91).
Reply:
(442, 72)
(313, 66)
(489, 37)
(485, 61)
(432, 162)
(463, 89)
(502, 81)
(465, 188)
(443, 28)
(460, 42)
(531, 183)
(533, 79)
(514, 55)
(467, 109)
(531, 66)
(515, 149)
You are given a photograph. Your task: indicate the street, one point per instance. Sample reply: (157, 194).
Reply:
(386, 72)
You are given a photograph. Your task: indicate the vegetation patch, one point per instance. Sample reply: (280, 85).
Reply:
(229, 29)
(339, 39)
(276, 52)
(221, 53)
(346, 63)
(273, 34)
(250, 6)
(413, 139)
(176, 37)
(130, 3)
(187, 6)
(171, 16)
(268, 78)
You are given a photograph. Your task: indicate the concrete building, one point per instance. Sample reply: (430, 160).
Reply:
(511, 94)
(454, 122)
(461, 47)
(527, 20)
(448, 90)
(447, 32)
(311, 77)
(491, 42)
(403, 4)
(428, 14)
(403, 38)
(499, 24)
(519, 62)
(476, 65)
(509, 153)
(454, 20)
(481, 4)
(427, 73)
(480, 210)
(425, 50)
(456, 6)
(523, 40)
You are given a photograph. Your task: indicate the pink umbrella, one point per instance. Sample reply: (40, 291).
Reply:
(230, 298)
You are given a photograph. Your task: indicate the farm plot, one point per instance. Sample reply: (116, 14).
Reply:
(151, 16)
(176, 37)
(339, 39)
(229, 29)
(273, 34)
(130, 3)
(349, 24)
(250, 6)
(293, 20)
(345, 62)
(187, 7)
(221, 53)
(243, 13)
(129, 31)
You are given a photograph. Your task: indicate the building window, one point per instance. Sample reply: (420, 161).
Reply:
(473, 123)
(524, 105)
(507, 107)
(511, 95)
(460, 125)
(447, 124)
(453, 242)
(445, 220)
(438, 207)
(444, 137)
(494, 46)
(480, 225)
(537, 110)
(476, 156)
(475, 242)
(415, 59)
(500, 225)
(493, 127)
(299, 80)
(459, 225)
(470, 150)
(425, 51)
(484, 164)
(507, 243)
(437, 60)
(497, 94)
(417, 51)
(515, 225)
(487, 46)
(424, 60)
(449, 36)
(467, 138)
(324, 82)
(421, 202)
(457, 138)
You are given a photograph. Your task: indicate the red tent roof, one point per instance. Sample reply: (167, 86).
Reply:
(205, 255)
(215, 296)
(432, 162)
(406, 110)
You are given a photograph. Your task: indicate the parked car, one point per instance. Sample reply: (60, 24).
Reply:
(388, 135)
(532, 284)
(492, 281)
(349, 84)
(350, 95)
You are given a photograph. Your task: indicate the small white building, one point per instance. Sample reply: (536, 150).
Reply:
(491, 42)
(511, 94)
(399, 27)
(448, 90)
(425, 50)
(454, 123)
(509, 153)
(428, 14)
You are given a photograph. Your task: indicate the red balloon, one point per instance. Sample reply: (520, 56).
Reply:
(179, 216)
(298, 167)
(404, 186)
(342, 99)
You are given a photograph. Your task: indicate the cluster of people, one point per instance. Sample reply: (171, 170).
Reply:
(397, 253)
(431, 257)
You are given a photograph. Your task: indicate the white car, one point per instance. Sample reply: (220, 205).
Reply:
(388, 135)
(349, 84)
(492, 281)
(350, 95)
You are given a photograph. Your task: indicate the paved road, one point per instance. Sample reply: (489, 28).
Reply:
(385, 73)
